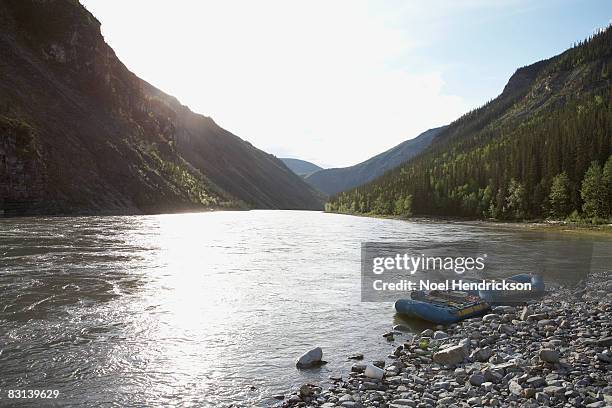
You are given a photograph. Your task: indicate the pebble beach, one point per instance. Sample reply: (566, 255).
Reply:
(554, 351)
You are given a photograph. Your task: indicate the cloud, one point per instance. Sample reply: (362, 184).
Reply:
(328, 81)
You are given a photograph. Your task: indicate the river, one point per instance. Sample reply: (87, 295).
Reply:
(204, 309)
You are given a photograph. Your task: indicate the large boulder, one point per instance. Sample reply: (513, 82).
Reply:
(310, 359)
(451, 355)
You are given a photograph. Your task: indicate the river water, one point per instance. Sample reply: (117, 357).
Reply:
(203, 309)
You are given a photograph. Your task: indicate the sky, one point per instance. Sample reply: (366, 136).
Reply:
(335, 82)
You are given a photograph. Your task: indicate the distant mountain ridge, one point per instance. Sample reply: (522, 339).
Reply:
(81, 134)
(332, 181)
(300, 167)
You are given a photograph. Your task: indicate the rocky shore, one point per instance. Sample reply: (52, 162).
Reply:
(556, 351)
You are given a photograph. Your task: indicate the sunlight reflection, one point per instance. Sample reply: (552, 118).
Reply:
(194, 309)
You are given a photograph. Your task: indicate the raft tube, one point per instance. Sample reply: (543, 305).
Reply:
(439, 313)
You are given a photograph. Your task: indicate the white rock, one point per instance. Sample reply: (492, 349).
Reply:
(372, 371)
(310, 358)
(451, 355)
(515, 387)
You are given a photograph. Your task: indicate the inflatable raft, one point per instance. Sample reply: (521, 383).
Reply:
(441, 307)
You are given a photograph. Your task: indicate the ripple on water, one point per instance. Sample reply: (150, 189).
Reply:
(193, 309)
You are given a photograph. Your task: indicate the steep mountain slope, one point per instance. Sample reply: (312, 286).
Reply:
(332, 181)
(552, 120)
(300, 167)
(79, 133)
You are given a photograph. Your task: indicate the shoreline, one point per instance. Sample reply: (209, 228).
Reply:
(540, 225)
(554, 351)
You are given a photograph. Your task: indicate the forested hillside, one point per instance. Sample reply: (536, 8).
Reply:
(332, 181)
(542, 148)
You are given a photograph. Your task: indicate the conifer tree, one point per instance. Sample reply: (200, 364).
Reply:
(560, 199)
(594, 193)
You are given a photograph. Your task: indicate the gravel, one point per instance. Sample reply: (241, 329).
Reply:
(555, 351)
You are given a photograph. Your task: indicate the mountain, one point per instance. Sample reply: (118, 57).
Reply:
(332, 181)
(301, 167)
(551, 125)
(80, 133)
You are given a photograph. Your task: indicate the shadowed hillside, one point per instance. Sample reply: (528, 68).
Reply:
(301, 167)
(81, 134)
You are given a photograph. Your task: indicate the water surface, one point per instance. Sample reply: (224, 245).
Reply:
(202, 309)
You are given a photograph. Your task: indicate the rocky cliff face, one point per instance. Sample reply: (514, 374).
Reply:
(22, 171)
(108, 142)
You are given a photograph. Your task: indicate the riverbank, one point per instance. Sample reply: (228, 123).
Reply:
(539, 225)
(552, 352)
(120, 212)
(603, 230)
